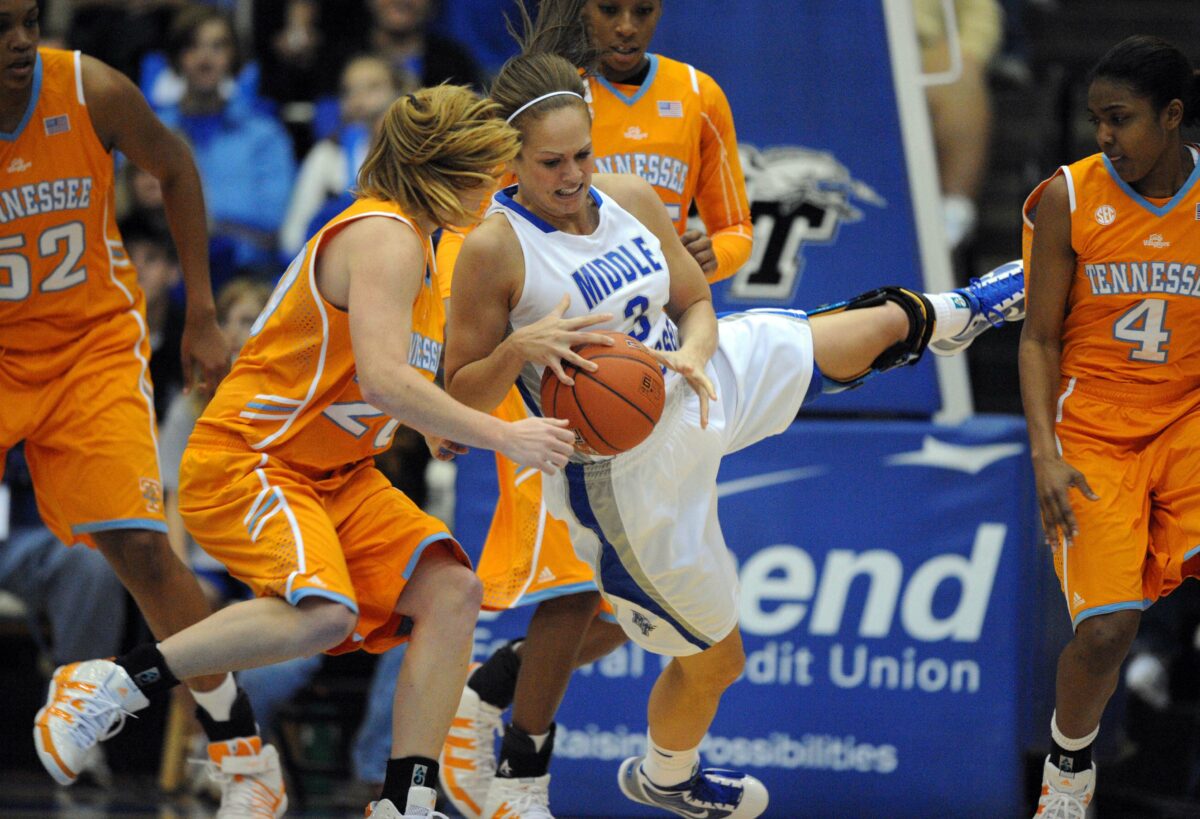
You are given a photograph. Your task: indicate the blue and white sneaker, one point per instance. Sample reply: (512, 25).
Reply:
(997, 297)
(711, 794)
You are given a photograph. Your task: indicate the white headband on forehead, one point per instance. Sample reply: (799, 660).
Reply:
(536, 100)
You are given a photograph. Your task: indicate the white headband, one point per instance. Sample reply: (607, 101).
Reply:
(536, 100)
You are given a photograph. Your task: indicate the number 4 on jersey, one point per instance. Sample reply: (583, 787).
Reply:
(1143, 325)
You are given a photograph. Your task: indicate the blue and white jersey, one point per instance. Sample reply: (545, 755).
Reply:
(618, 268)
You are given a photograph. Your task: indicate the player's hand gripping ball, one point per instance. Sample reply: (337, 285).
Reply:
(614, 408)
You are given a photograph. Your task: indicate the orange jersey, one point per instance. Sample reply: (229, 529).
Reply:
(676, 131)
(1136, 288)
(293, 392)
(63, 267)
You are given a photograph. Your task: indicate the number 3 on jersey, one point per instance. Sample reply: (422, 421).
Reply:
(636, 309)
(1143, 325)
(16, 280)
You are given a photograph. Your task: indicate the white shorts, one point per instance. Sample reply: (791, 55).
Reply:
(646, 520)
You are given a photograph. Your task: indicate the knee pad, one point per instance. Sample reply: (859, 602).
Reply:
(901, 354)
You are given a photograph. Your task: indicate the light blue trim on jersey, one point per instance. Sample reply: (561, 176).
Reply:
(557, 591)
(1190, 553)
(34, 95)
(1140, 605)
(416, 558)
(308, 591)
(637, 95)
(144, 524)
(615, 578)
(505, 198)
(1157, 210)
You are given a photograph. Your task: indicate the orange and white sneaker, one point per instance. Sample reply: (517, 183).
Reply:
(250, 777)
(420, 805)
(468, 758)
(518, 798)
(1065, 795)
(87, 703)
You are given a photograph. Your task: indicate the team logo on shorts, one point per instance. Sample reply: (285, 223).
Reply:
(643, 623)
(798, 197)
(152, 494)
(1106, 214)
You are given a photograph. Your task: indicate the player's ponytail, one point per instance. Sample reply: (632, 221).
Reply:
(1155, 69)
(554, 48)
(431, 146)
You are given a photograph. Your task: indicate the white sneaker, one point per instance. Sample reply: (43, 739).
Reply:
(87, 703)
(420, 804)
(995, 298)
(518, 798)
(250, 777)
(468, 758)
(712, 793)
(1065, 796)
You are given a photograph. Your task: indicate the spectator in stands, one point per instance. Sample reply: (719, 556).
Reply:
(245, 157)
(369, 84)
(401, 34)
(960, 112)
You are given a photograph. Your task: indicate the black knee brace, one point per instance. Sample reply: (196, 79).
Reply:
(903, 353)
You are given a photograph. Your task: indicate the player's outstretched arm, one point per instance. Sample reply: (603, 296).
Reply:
(124, 122)
(374, 267)
(1052, 267)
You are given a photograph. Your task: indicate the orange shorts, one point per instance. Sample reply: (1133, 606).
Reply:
(86, 413)
(527, 556)
(1139, 449)
(350, 537)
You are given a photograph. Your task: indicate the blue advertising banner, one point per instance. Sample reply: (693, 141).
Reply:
(889, 574)
(816, 106)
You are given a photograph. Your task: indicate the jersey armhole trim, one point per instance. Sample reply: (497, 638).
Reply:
(78, 57)
(1070, 187)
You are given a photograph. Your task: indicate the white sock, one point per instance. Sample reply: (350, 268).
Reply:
(539, 740)
(951, 314)
(218, 702)
(669, 768)
(1065, 742)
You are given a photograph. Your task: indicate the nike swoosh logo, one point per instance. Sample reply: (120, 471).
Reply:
(739, 485)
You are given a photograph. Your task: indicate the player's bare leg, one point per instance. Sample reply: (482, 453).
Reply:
(548, 658)
(602, 638)
(166, 591)
(170, 598)
(443, 598)
(1089, 669)
(847, 344)
(686, 694)
(681, 709)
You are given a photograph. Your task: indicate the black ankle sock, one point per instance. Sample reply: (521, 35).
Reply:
(403, 773)
(240, 723)
(1070, 761)
(496, 680)
(145, 664)
(519, 758)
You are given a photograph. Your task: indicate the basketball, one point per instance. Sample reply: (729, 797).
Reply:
(614, 408)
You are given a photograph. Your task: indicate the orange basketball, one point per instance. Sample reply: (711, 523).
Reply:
(614, 408)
